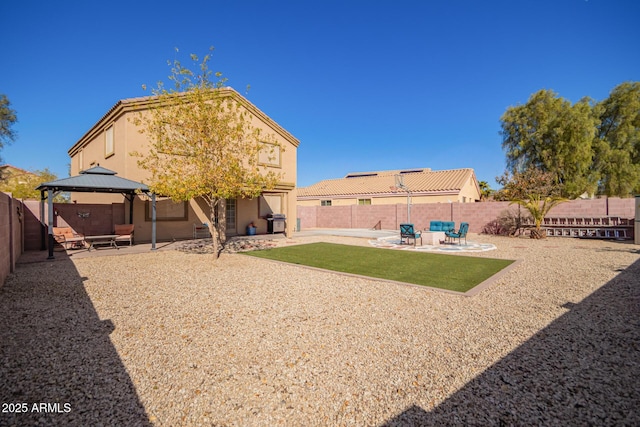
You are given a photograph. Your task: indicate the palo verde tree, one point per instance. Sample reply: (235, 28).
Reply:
(203, 144)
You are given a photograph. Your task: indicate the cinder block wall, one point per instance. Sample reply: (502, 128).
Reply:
(476, 214)
(88, 219)
(5, 231)
(11, 219)
(32, 225)
(333, 217)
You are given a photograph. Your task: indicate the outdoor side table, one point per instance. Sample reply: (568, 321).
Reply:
(433, 238)
(102, 239)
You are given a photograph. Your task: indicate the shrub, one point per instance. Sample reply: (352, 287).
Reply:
(508, 223)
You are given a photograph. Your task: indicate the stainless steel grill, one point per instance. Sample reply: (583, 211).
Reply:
(276, 223)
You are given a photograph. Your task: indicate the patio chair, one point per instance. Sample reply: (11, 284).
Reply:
(462, 233)
(408, 232)
(124, 232)
(67, 237)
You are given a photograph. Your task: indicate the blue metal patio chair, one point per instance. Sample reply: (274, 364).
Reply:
(408, 232)
(462, 233)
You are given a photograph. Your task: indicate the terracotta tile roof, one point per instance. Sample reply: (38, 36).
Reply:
(423, 181)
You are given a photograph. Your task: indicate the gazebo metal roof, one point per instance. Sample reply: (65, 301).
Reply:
(97, 180)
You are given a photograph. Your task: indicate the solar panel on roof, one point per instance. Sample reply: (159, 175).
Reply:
(360, 175)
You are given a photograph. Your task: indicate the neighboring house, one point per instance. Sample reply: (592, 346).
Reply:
(381, 187)
(112, 140)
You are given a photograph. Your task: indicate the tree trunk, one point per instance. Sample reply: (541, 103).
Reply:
(538, 233)
(217, 225)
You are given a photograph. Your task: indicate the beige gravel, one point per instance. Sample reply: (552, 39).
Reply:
(170, 338)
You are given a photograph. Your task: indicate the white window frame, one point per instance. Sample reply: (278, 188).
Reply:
(231, 208)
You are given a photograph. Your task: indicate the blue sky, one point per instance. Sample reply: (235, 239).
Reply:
(364, 85)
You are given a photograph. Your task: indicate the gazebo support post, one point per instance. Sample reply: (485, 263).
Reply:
(50, 221)
(130, 198)
(43, 231)
(153, 221)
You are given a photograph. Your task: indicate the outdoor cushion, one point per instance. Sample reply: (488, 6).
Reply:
(66, 236)
(442, 225)
(462, 233)
(63, 232)
(124, 232)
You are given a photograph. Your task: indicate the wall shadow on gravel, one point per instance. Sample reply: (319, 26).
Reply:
(582, 369)
(54, 349)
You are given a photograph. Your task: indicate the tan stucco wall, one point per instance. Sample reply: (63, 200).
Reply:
(197, 213)
(470, 190)
(165, 230)
(127, 139)
(247, 212)
(291, 203)
(288, 153)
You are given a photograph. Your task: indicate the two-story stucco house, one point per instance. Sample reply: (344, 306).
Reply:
(112, 140)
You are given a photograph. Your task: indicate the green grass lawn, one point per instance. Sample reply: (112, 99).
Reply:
(455, 273)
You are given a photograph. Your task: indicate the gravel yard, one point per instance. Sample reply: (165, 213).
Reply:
(168, 338)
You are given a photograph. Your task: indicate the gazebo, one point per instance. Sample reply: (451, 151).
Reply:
(94, 180)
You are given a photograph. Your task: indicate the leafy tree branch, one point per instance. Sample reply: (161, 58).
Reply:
(203, 143)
